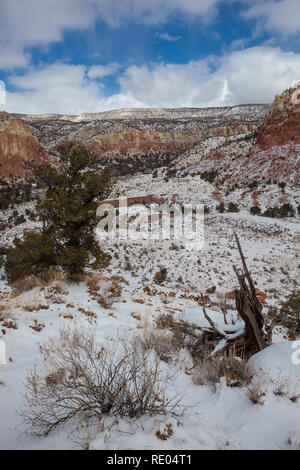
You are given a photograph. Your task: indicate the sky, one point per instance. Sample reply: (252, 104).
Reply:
(77, 56)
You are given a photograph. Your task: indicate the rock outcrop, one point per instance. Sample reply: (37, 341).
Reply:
(282, 123)
(19, 148)
(276, 153)
(273, 155)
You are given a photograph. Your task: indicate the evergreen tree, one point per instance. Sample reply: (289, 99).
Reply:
(68, 213)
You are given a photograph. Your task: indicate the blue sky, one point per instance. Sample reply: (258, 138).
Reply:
(75, 56)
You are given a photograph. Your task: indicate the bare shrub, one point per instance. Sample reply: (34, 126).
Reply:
(81, 377)
(163, 343)
(186, 336)
(211, 369)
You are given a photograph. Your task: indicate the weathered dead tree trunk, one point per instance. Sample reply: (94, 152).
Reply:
(222, 340)
(254, 338)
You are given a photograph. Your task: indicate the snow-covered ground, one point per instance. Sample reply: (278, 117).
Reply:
(210, 417)
(219, 417)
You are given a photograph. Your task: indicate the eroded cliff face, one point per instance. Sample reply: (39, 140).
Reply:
(142, 142)
(273, 155)
(18, 148)
(276, 153)
(240, 144)
(134, 140)
(282, 123)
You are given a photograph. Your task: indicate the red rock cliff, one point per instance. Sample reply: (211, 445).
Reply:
(18, 148)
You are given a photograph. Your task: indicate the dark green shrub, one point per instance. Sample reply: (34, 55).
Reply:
(286, 210)
(209, 176)
(68, 213)
(233, 207)
(221, 207)
(255, 210)
(20, 219)
(30, 256)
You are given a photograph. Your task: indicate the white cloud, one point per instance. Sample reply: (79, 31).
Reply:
(100, 71)
(63, 89)
(34, 22)
(167, 37)
(252, 75)
(154, 11)
(56, 88)
(277, 16)
(24, 24)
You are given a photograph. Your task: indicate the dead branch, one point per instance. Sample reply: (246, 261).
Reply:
(212, 324)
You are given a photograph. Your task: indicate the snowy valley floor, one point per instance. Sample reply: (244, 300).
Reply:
(210, 417)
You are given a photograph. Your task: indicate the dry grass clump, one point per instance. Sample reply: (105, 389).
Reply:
(164, 432)
(24, 285)
(286, 386)
(211, 369)
(93, 281)
(3, 312)
(105, 290)
(257, 390)
(164, 321)
(293, 442)
(48, 278)
(82, 378)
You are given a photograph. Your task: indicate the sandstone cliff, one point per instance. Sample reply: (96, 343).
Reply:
(273, 155)
(18, 148)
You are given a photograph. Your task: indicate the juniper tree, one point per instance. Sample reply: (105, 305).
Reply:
(68, 214)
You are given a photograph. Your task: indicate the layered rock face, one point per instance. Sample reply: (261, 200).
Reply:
(282, 123)
(18, 148)
(131, 140)
(238, 144)
(277, 149)
(273, 155)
